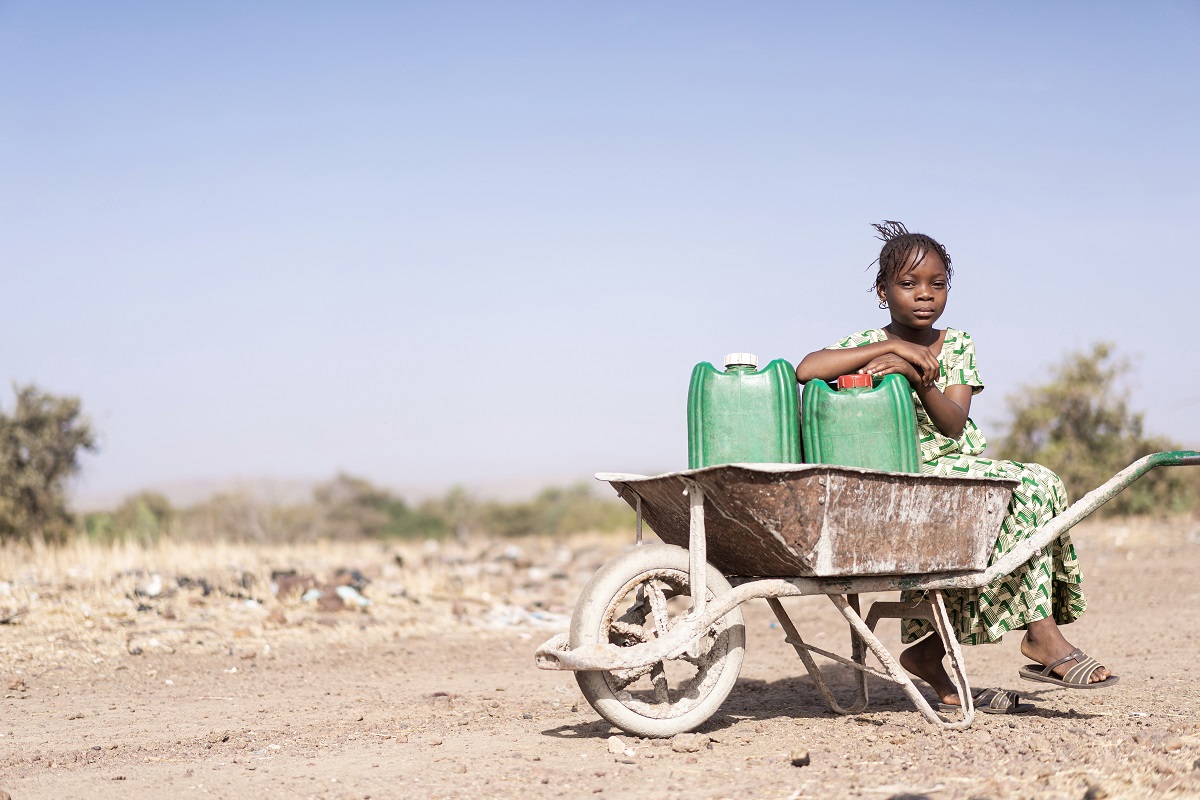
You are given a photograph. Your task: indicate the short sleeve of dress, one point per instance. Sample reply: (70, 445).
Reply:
(859, 339)
(959, 358)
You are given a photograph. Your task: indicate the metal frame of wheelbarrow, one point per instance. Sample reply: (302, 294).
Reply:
(843, 592)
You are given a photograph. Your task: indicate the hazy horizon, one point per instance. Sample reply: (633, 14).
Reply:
(432, 244)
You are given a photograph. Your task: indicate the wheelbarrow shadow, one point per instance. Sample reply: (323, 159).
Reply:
(797, 698)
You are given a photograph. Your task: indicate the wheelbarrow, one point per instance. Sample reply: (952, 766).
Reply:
(657, 635)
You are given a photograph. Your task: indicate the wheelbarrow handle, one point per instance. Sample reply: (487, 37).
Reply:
(1082, 508)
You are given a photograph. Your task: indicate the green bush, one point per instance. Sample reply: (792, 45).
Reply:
(1079, 424)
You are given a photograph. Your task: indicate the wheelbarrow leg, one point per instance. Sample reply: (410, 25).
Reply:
(810, 664)
(958, 670)
(897, 674)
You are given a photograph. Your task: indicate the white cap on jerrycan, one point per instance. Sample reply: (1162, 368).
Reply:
(741, 360)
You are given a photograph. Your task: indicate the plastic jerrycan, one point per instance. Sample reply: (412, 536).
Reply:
(744, 414)
(861, 425)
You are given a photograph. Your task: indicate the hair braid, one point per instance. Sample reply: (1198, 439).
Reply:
(898, 247)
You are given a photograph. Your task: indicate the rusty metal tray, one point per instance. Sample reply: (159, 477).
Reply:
(785, 520)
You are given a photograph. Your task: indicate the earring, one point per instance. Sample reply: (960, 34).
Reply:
(883, 303)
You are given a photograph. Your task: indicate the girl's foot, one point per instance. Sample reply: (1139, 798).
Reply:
(1045, 644)
(924, 660)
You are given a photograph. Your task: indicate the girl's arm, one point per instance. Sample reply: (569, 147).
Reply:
(827, 365)
(949, 409)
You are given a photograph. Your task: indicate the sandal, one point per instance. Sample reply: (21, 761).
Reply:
(992, 701)
(1077, 677)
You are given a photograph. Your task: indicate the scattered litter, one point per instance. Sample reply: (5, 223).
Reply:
(505, 616)
(8, 616)
(151, 588)
(351, 596)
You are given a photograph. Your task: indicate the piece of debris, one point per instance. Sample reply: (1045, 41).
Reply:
(351, 596)
(800, 758)
(185, 582)
(10, 616)
(288, 583)
(150, 588)
(137, 645)
(16, 684)
(350, 577)
(616, 745)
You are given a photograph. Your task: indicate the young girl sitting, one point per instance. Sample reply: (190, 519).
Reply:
(912, 284)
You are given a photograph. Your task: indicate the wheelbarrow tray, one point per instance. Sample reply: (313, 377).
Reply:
(817, 520)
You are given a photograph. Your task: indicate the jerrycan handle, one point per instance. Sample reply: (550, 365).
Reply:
(858, 380)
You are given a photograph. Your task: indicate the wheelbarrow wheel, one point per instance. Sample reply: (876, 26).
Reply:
(635, 598)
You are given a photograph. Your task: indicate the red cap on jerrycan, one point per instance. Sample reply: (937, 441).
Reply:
(859, 380)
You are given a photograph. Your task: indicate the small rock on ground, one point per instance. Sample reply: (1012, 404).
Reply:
(688, 742)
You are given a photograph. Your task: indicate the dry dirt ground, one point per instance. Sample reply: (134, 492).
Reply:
(186, 672)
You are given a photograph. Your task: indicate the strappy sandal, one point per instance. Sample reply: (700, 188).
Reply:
(992, 701)
(1077, 677)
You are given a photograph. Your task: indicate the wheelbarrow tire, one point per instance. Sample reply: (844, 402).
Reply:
(594, 614)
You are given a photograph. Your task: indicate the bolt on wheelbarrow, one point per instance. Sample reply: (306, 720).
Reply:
(657, 636)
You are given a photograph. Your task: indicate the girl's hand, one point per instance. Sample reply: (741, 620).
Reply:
(890, 363)
(920, 357)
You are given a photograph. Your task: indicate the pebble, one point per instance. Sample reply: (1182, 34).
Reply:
(434, 742)
(800, 758)
(688, 742)
(616, 745)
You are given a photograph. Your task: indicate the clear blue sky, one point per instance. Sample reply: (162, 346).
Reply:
(486, 242)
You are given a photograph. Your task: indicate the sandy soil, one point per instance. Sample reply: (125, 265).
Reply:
(118, 684)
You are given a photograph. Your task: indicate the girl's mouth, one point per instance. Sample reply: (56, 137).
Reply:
(923, 312)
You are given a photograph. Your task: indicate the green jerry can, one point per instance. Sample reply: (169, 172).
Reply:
(860, 424)
(744, 414)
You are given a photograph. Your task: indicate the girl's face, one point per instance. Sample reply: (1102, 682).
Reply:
(917, 296)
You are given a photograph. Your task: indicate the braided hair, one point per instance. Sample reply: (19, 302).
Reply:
(898, 247)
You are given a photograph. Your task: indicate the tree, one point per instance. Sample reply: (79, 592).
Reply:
(350, 507)
(40, 443)
(1080, 425)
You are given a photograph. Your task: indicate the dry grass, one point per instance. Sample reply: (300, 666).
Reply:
(483, 582)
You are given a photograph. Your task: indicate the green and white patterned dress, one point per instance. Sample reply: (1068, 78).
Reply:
(1048, 585)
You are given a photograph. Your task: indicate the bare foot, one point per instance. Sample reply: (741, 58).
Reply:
(1045, 644)
(924, 660)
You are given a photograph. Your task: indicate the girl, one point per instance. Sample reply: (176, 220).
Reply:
(912, 284)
